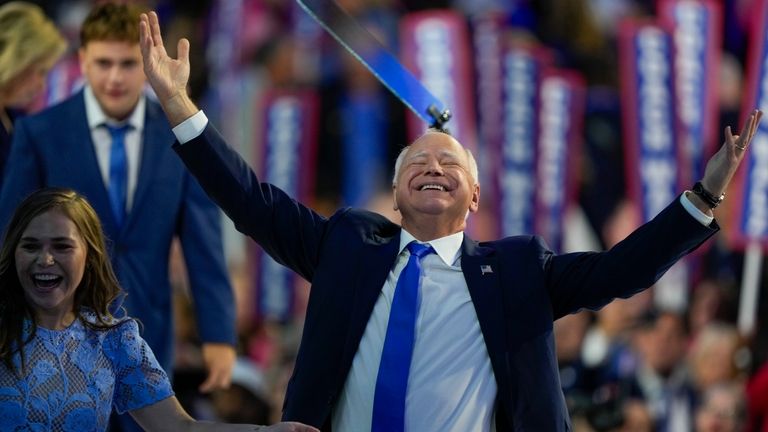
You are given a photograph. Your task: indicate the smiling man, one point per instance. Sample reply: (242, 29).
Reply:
(418, 327)
(112, 144)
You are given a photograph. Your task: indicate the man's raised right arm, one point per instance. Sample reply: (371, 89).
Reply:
(167, 76)
(290, 232)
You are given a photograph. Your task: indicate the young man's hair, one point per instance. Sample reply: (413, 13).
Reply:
(111, 22)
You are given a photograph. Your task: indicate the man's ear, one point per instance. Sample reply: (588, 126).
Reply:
(394, 197)
(474, 205)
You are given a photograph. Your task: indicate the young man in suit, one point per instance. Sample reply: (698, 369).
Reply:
(480, 350)
(112, 143)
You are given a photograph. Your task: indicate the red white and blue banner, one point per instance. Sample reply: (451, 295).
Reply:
(488, 36)
(562, 96)
(750, 190)
(697, 39)
(649, 121)
(435, 47)
(288, 147)
(488, 47)
(522, 73)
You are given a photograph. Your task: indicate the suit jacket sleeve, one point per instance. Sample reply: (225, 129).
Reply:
(591, 280)
(23, 173)
(287, 230)
(200, 236)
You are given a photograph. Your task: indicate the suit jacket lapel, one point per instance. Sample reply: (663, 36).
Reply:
(85, 165)
(481, 271)
(376, 261)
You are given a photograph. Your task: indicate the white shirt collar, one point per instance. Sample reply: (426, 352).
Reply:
(447, 248)
(96, 116)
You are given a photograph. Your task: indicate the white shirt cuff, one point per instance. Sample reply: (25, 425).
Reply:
(694, 211)
(191, 128)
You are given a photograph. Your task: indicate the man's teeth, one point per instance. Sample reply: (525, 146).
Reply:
(433, 186)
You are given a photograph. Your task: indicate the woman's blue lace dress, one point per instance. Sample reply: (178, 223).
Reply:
(74, 376)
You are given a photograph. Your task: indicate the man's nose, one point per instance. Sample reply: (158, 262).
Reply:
(115, 74)
(434, 168)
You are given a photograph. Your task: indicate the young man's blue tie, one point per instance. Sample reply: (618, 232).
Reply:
(392, 381)
(118, 172)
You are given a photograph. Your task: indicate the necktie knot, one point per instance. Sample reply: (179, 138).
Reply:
(118, 131)
(419, 249)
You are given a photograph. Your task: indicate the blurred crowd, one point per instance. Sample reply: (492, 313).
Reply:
(632, 366)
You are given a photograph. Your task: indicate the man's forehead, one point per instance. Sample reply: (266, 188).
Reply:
(435, 142)
(414, 153)
(112, 48)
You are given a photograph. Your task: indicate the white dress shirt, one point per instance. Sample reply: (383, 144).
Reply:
(451, 386)
(102, 140)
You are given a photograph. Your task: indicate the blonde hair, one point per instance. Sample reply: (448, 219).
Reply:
(27, 37)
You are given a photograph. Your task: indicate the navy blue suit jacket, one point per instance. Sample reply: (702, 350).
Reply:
(347, 258)
(54, 148)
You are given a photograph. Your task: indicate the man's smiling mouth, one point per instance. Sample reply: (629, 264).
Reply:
(432, 187)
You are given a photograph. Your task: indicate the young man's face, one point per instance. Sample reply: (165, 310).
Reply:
(114, 70)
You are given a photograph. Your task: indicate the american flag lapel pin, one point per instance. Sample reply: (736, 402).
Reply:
(485, 269)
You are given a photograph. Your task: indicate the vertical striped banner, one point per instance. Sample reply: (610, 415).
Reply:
(522, 72)
(648, 107)
(562, 96)
(436, 49)
(488, 47)
(289, 143)
(697, 39)
(751, 184)
(650, 128)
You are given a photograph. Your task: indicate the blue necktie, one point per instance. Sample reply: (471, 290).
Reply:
(118, 172)
(392, 381)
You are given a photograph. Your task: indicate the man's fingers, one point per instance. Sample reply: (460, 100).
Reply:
(154, 27)
(216, 380)
(756, 123)
(749, 129)
(742, 140)
(752, 124)
(183, 50)
(145, 42)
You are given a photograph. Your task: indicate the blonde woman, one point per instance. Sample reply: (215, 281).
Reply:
(30, 45)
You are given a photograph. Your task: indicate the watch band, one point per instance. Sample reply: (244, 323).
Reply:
(708, 197)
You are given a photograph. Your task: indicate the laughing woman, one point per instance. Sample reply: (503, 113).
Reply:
(65, 361)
